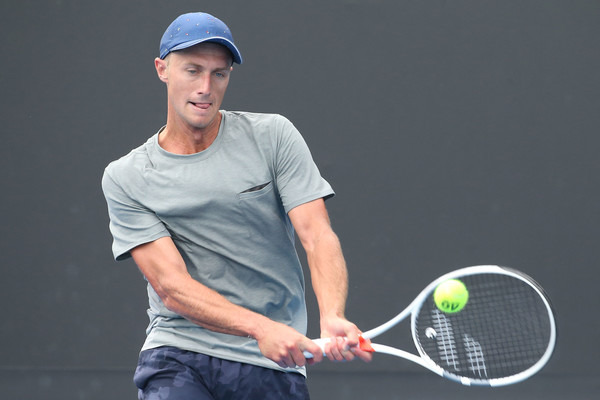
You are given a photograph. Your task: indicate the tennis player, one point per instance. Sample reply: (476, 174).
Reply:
(208, 208)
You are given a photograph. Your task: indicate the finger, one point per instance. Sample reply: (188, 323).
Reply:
(297, 356)
(314, 349)
(364, 351)
(335, 349)
(286, 362)
(352, 338)
(366, 356)
(345, 349)
(347, 353)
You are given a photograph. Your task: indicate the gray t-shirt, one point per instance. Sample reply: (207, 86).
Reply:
(226, 210)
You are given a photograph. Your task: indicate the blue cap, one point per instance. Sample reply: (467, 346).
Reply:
(193, 28)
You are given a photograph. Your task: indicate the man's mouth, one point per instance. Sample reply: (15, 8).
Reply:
(202, 106)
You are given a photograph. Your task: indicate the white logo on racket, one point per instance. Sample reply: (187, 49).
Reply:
(445, 339)
(430, 333)
(475, 354)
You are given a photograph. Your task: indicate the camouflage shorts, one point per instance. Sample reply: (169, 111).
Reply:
(174, 374)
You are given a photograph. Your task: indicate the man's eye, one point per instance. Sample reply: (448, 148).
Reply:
(191, 71)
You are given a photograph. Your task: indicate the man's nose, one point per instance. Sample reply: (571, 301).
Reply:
(204, 84)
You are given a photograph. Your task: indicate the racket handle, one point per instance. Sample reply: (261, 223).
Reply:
(363, 344)
(321, 342)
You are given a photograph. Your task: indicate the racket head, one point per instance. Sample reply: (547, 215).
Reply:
(505, 333)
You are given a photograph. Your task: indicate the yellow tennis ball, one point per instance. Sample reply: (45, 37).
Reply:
(451, 296)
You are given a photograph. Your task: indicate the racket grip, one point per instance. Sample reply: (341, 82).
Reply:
(321, 342)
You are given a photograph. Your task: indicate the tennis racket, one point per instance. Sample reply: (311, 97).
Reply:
(504, 334)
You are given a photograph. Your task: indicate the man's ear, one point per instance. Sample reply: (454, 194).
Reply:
(161, 69)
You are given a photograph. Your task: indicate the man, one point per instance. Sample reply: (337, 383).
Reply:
(207, 208)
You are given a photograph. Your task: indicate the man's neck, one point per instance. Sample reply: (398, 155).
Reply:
(183, 139)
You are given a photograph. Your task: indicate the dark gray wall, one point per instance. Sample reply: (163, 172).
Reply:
(455, 133)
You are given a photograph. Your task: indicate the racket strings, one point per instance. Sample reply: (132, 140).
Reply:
(502, 331)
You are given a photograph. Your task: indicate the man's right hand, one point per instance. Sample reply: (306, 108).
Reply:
(286, 346)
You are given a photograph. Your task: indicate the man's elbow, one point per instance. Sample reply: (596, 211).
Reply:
(169, 292)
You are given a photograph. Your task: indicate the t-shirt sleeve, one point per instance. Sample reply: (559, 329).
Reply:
(298, 178)
(131, 224)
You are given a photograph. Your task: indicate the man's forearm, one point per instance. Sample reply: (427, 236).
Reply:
(329, 274)
(209, 309)
(163, 267)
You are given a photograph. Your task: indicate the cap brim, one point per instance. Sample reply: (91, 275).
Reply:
(237, 57)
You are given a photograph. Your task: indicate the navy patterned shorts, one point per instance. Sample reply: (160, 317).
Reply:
(168, 373)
